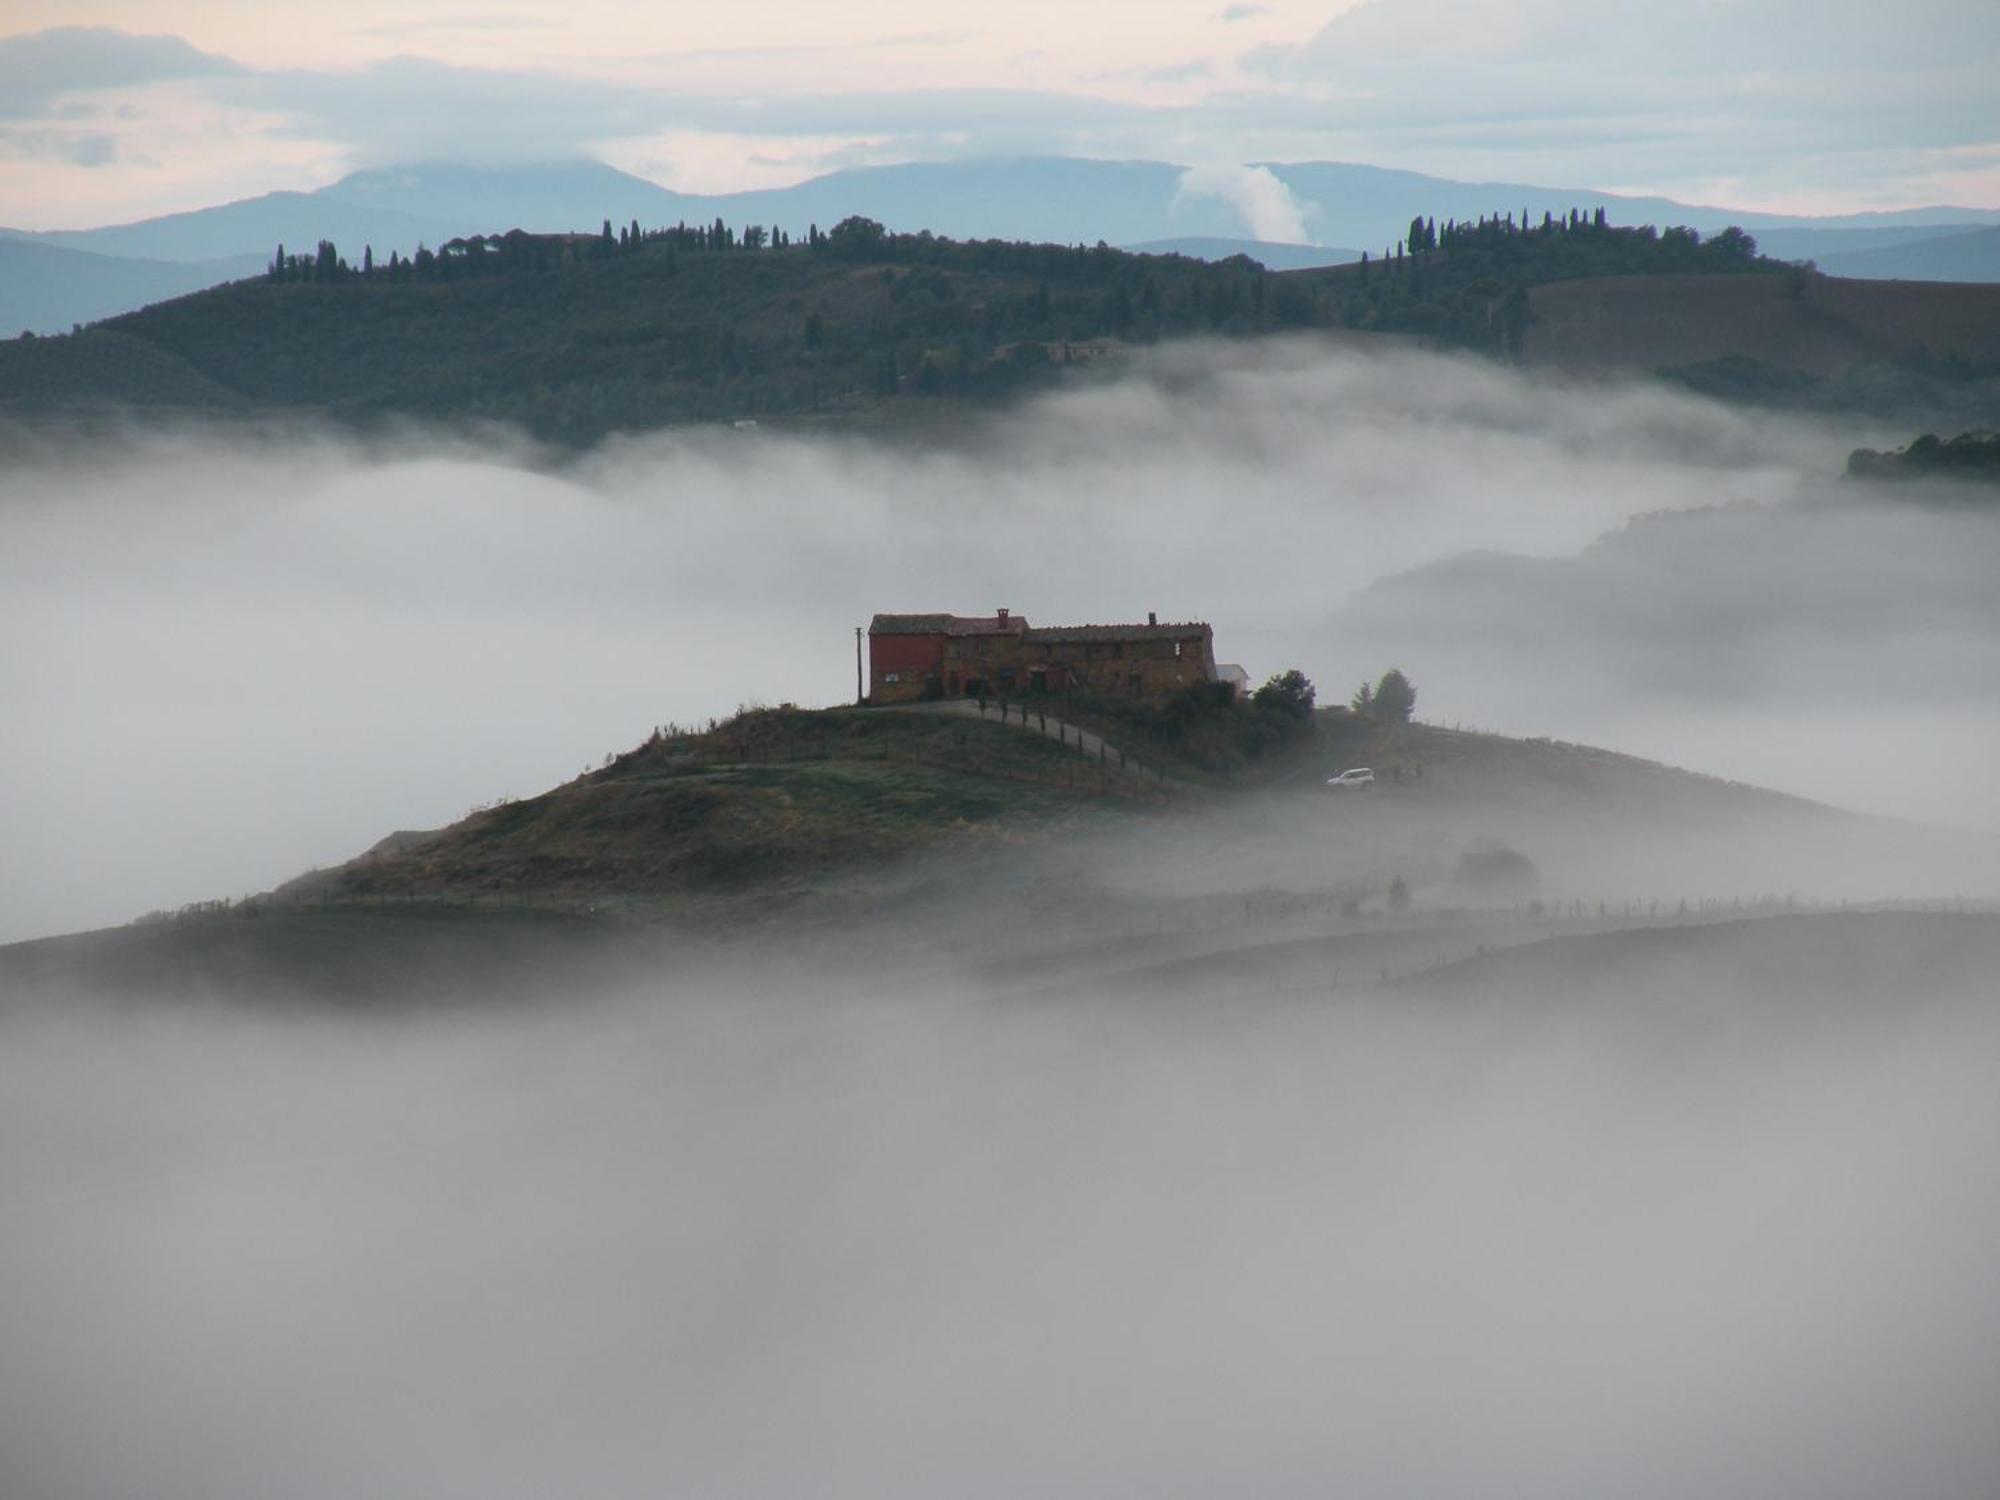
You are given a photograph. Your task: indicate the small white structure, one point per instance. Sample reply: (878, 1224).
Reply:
(1236, 677)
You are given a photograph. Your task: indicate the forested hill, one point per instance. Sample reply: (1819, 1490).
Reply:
(574, 336)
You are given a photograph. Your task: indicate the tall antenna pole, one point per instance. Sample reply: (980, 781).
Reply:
(860, 697)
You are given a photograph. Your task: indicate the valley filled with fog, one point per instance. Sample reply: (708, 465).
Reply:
(1695, 1210)
(231, 654)
(1186, 1157)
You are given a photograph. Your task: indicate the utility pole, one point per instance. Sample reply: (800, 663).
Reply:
(860, 696)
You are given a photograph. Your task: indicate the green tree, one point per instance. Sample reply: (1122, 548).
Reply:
(1289, 692)
(856, 238)
(1395, 698)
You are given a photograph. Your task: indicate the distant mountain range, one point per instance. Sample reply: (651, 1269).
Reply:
(1060, 199)
(47, 288)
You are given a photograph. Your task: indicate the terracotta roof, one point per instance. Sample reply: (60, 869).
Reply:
(987, 625)
(953, 625)
(909, 625)
(1053, 634)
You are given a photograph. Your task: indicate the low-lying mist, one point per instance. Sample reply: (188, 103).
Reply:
(225, 658)
(1189, 1157)
(1595, 1222)
(1846, 647)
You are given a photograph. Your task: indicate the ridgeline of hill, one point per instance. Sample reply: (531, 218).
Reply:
(749, 816)
(834, 810)
(574, 336)
(571, 337)
(1971, 456)
(928, 832)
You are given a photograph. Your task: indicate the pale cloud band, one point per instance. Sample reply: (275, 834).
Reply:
(1775, 103)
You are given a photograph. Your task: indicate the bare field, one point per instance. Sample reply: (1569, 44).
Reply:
(1830, 326)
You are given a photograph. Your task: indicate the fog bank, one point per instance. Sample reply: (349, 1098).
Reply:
(1593, 1225)
(226, 658)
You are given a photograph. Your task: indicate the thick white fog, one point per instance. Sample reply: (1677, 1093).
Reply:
(1096, 1200)
(225, 658)
(1717, 1232)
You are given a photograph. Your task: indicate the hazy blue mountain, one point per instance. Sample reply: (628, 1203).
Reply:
(540, 197)
(1062, 199)
(256, 226)
(48, 289)
(1372, 206)
(1067, 200)
(1968, 255)
(1274, 256)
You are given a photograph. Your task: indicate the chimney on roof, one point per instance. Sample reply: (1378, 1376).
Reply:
(1001, 615)
(1151, 618)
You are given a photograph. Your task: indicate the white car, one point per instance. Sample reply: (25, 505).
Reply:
(1358, 776)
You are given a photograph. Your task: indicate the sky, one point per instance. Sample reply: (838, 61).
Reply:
(112, 110)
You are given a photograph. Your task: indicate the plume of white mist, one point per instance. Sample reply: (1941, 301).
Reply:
(1269, 210)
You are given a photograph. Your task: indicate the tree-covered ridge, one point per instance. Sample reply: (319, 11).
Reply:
(1970, 455)
(572, 336)
(1465, 285)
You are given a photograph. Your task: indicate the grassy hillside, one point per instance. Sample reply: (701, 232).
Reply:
(1813, 325)
(771, 807)
(575, 337)
(575, 349)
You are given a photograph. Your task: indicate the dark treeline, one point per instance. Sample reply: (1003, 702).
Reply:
(1460, 284)
(1969, 456)
(1465, 284)
(575, 335)
(518, 251)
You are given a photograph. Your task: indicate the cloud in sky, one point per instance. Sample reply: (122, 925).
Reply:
(1666, 95)
(1780, 104)
(411, 108)
(39, 69)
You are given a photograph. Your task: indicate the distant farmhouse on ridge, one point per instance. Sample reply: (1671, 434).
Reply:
(914, 657)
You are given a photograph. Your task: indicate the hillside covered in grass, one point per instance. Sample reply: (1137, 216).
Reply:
(572, 337)
(771, 807)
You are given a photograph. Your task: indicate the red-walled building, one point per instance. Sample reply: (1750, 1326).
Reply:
(907, 654)
(957, 656)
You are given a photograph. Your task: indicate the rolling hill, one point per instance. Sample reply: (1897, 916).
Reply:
(1965, 255)
(45, 288)
(573, 337)
(1058, 199)
(1818, 326)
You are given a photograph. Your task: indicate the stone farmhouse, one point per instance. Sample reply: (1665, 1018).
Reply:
(912, 657)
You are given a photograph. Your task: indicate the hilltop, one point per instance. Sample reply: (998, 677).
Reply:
(574, 336)
(901, 836)
(1067, 200)
(818, 812)
(751, 816)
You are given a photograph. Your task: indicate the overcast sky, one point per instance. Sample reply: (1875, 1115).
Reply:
(117, 109)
